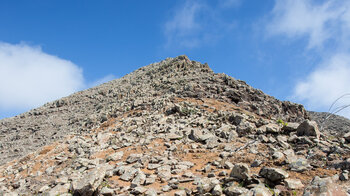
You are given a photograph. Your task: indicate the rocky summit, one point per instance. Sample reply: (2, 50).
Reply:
(172, 128)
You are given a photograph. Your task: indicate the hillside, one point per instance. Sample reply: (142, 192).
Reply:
(170, 128)
(335, 124)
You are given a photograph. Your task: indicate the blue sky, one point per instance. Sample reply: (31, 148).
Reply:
(295, 50)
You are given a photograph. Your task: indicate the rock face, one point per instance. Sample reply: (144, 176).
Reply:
(170, 128)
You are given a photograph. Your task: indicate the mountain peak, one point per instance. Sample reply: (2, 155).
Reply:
(178, 119)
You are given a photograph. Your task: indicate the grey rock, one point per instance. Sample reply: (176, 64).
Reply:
(150, 179)
(153, 166)
(138, 190)
(128, 174)
(347, 137)
(115, 156)
(273, 174)
(299, 165)
(89, 183)
(344, 176)
(260, 190)
(323, 186)
(290, 127)
(223, 173)
(235, 191)
(133, 158)
(277, 155)
(256, 163)
(139, 179)
(293, 184)
(180, 193)
(240, 171)
(151, 192)
(308, 128)
(59, 189)
(166, 188)
(272, 128)
(105, 191)
(217, 190)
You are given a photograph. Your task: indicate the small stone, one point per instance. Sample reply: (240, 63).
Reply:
(344, 176)
(166, 188)
(44, 189)
(217, 190)
(228, 165)
(290, 127)
(180, 193)
(272, 128)
(223, 173)
(133, 158)
(235, 190)
(273, 174)
(150, 180)
(128, 174)
(211, 175)
(115, 156)
(299, 165)
(139, 179)
(347, 137)
(138, 190)
(256, 163)
(60, 189)
(151, 192)
(153, 166)
(278, 156)
(260, 190)
(188, 175)
(105, 191)
(293, 184)
(240, 171)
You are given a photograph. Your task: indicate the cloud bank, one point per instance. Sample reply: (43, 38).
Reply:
(326, 27)
(29, 77)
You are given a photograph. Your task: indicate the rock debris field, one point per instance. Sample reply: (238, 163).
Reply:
(172, 128)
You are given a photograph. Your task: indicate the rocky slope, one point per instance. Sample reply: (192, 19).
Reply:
(334, 125)
(170, 128)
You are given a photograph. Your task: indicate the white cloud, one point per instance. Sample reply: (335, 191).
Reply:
(318, 21)
(325, 84)
(29, 77)
(326, 27)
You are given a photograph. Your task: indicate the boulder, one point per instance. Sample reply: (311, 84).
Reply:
(273, 174)
(308, 128)
(240, 171)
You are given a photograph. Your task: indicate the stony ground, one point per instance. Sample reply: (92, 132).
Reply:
(174, 128)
